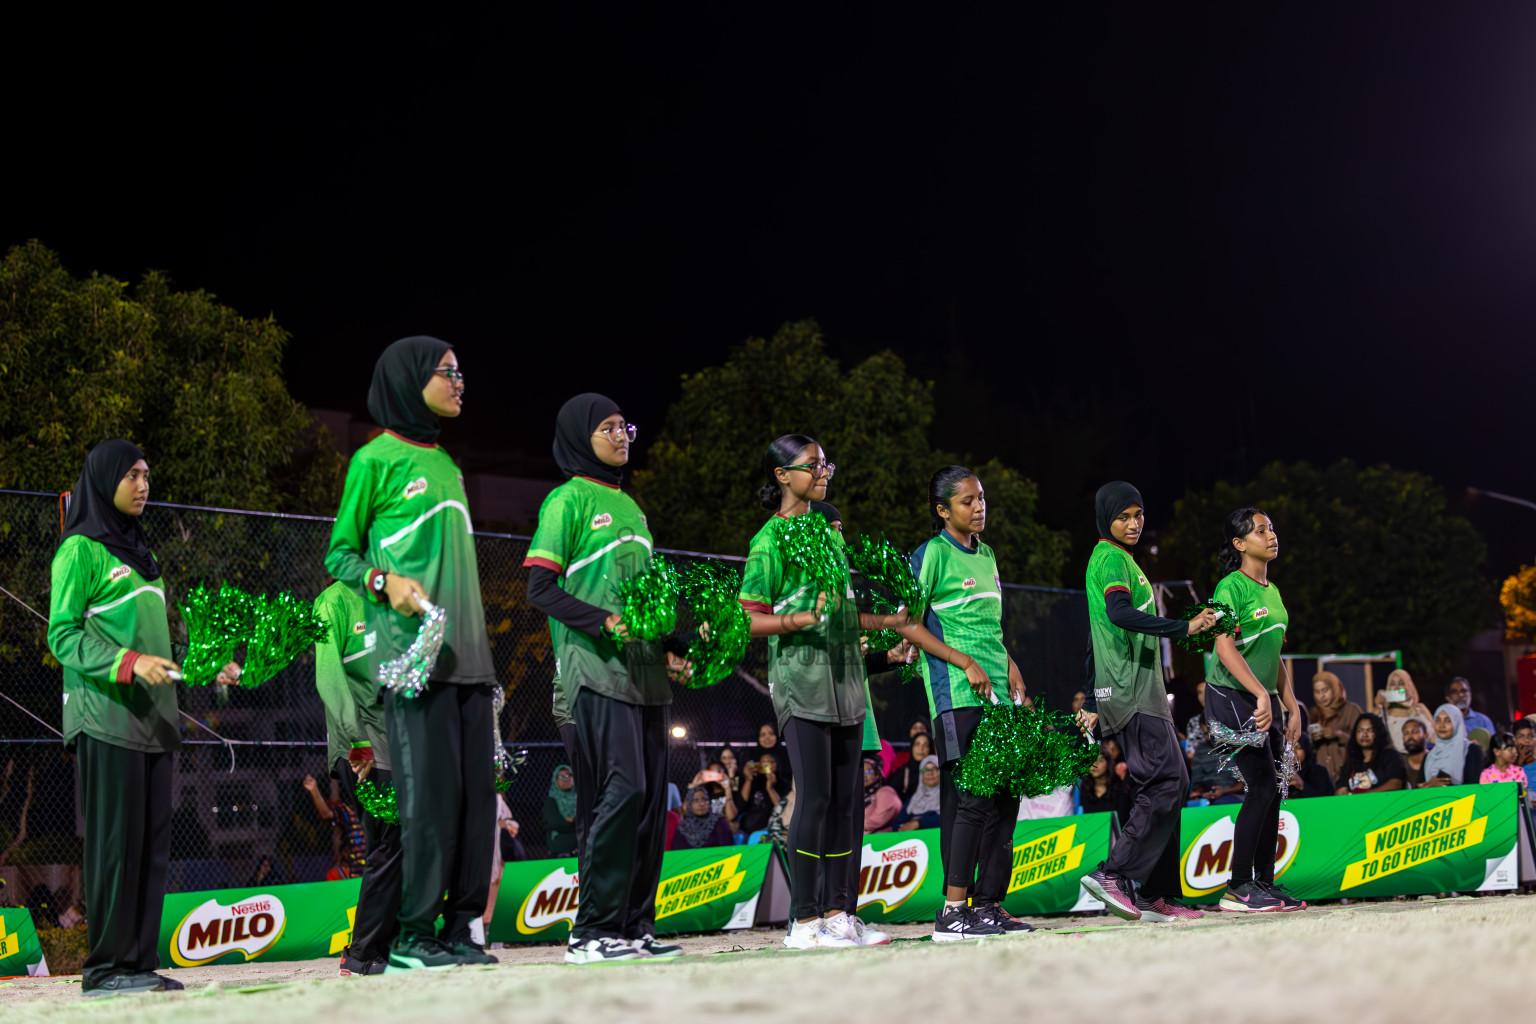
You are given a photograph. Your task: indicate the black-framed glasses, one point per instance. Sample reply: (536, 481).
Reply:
(629, 430)
(453, 373)
(818, 470)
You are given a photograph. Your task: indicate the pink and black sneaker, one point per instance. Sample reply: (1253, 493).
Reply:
(1160, 909)
(1288, 903)
(1116, 893)
(1250, 898)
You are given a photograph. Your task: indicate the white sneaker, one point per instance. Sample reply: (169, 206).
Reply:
(600, 951)
(849, 926)
(814, 935)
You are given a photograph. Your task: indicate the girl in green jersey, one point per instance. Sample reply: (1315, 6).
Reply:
(1247, 688)
(959, 576)
(590, 538)
(816, 677)
(107, 626)
(403, 531)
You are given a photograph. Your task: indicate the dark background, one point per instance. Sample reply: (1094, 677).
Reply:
(1168, 245)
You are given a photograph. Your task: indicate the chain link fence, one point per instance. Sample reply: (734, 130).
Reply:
(241, 812)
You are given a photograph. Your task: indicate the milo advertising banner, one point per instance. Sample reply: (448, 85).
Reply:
(1447, 839)
(21, 955)
(707, 890)
(901, 878)
(278, 922)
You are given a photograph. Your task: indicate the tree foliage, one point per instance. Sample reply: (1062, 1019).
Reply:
(1518, 596)
(195, 384)
(872, 420)
(1369, 558)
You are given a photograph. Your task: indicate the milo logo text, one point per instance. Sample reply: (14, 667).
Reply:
(890, 877)
(1261, 613)
(249, 927)
(1208, 860)
(551, 901)
(969, 584)
(415, 487)
(119, 573)
(601, 520)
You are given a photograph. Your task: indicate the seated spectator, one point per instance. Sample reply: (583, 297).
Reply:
(1525, 741)
(1204, 765)
(1416, 748)
(1505, 767)
(713, 776)
(1078, 699)
(560, 813)
(700, 825)
(1333, 722)
(768, 743)
(1396, 712)
(1459, 692)
(922, 809)
(919, 727)
(1309, 778)
(761, 791)
(881, 804)
(1101, 789)
(1453, 759)
(905, 779)
(1111, 748)
(348, 843)
(1372, 766)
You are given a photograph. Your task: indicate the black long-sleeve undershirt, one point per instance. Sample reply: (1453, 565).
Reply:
(1124, 616)
(545, 594)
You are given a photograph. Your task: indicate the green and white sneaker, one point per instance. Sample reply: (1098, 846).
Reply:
(420, 953)
(648, 946)
(473, 953)
(600, 951)
(124, 984)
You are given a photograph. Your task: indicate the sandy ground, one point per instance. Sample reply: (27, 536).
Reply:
(1360, 963)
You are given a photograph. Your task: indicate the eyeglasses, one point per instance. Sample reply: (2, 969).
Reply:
(453, 374)
(818, 470)
(629, 430)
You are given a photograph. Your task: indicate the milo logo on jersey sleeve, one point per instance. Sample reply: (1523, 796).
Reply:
(250, 926)
(416, 487)
(601, 520)
(969, 584)
(1261, 612)
(120, 573)
(892, 876)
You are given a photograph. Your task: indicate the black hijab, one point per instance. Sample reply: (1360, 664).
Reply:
(394, 399)
(574, 427)
(1113, 498)
(92, 513)
(827, 509)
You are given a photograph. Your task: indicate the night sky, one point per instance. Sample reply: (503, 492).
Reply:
(1166, 245)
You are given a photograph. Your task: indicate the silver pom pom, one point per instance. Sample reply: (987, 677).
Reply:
(409, 674)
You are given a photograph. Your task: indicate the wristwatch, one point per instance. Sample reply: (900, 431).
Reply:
(376, 583)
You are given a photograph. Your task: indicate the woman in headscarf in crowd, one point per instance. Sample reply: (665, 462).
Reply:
(926, 802)
(768, 742)
(906, 779)
(820, 698)
(1454, 759)
(107, 626)
(1395, 713)
(591, 537)
(1126, 697)
(1333, 722)
(402, 536)
(881, 804)
(560, 812)
(700, 825)
(1372, 766)
(965, 667)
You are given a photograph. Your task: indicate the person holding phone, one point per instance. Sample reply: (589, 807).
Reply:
(1250, 688)
(1372, 765)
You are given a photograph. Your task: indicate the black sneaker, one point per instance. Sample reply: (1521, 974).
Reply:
(957, 924)
(124, 984)
(166, 984)
(420, 953)
(352, 966)
(1249, 898)
(648, 946)
(1116, 893)
(1288, 902)
(471, 953)
(991, 913)
(600, 951)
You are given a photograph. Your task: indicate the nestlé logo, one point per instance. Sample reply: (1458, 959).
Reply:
(251, 926)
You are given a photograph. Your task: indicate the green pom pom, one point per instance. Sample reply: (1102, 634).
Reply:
(650, 601)
(282, 628)
(889, 583)
(808, 541)
(1203, 642)
(1025, 752)
(712, 589)
(217, 621)
(379, 802)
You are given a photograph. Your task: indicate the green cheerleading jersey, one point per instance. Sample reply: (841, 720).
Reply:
(102, 616)
(816, 673)
(403, 511)
(354, 716)
(965, 610)
(594, 537)
(1261, 627)
(1127, 672)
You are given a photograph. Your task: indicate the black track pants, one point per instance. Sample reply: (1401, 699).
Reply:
(1256, 833)
(1148, 850)
(825, 833)
(443, 750)
(975, 832)
(621, 797)
(125, 797)
(378, 898)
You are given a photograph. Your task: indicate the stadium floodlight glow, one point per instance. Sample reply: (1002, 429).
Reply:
(679, 731)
